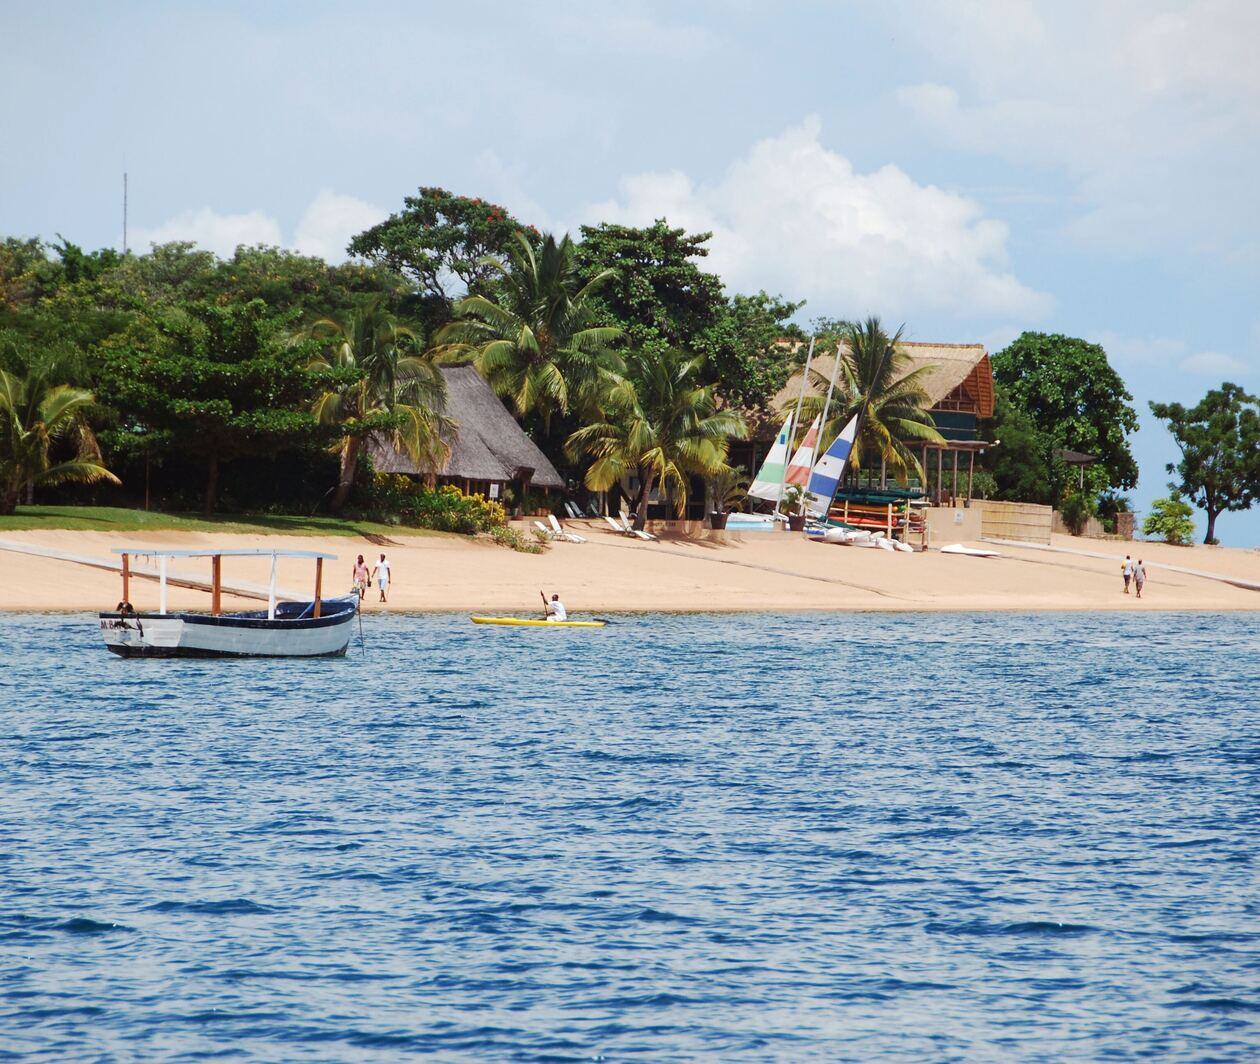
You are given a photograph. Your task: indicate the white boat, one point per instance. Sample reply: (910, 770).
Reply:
(316, 628)
(970, 552)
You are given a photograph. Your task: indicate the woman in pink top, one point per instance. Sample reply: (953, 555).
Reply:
(362, 581)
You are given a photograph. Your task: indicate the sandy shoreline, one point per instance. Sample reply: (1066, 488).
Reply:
(755, 572)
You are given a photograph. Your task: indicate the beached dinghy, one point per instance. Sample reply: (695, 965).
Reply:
(318, 628)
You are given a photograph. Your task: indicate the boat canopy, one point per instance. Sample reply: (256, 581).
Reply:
(245, 552)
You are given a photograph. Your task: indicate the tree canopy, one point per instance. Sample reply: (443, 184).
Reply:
(1076, 401)
(1219, 438)
(660, 298)
(446, 244)
(210, 381)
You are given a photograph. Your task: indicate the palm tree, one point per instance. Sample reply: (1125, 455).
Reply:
(37, 417)
(537, 343)
(380, 384)
(661, 425)
(872, 366)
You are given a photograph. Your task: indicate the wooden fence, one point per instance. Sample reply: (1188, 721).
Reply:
(1028, 521)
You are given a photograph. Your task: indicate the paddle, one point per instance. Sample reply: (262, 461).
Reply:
(543, 595)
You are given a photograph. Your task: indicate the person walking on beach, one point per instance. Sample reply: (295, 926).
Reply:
(362, 580)
(1139, 577)
(381, 572)
(1127, 570)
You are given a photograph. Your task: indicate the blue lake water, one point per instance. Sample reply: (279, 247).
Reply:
(868, 837)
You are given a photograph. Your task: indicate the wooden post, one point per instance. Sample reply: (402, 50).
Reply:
(940, 475)
(883, 473)
(216, 584)
(319, 583)
(271, 591)
(126, 575)
(890, 520)
(846, 511)
(162, 583)
(955, 489)
(971, 469)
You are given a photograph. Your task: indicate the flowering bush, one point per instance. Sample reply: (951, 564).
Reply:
(393, 497)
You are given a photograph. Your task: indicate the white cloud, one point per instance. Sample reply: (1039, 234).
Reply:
(324, 229)
(795, 217)
(1214, 364)
(220, 233)
(1151, 107)
(330, 221)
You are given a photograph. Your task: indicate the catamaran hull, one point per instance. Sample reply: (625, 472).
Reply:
(192, 635)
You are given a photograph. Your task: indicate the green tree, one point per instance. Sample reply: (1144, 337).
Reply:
(380, 384)
(537, 343)
(38, 417)
(1076, 400)
(210, 382)
(1219, 438)
(1171, 520)
(1020, 463)
(443, 241)
(660, 297)
(661, 425)
(873, 373)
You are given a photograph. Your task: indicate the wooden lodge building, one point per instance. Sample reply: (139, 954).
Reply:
(490, 452)
(958, 379)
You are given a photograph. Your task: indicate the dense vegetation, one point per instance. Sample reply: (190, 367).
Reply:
(180, 381)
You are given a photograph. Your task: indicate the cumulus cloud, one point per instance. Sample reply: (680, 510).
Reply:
(1214, 364)
(220, 233)
(1151, 108)
(796, 217)
(330, 221)
(324, 229)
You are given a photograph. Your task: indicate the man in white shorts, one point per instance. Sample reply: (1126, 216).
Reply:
(381, 572)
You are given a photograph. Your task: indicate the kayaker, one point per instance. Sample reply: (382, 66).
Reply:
(556, 610)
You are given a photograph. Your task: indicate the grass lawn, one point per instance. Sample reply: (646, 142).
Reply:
(117, 519)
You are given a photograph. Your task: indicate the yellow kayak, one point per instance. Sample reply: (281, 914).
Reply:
(523, 621)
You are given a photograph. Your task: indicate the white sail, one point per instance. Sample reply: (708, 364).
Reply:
(766, 485)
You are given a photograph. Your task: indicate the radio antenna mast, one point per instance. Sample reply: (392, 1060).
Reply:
(124, 213)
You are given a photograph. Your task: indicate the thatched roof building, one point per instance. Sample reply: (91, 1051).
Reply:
(489, 449)
(958, 381)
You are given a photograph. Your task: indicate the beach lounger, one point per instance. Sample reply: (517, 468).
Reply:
(629, 529)
(592, 510)
(615, 526)
(571, 509)
(558, 531)
(545, 530)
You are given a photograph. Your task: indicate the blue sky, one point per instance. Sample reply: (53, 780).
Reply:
(970, 168)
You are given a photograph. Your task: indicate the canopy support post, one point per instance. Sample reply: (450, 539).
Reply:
(216, 585)
(971, 470)
(162, 583)
(319, 585)
(271, 591)
(954, 500)
(126, 575)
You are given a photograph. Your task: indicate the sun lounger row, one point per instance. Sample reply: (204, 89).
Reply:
(558, 531)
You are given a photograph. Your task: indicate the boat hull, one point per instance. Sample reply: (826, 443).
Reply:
(293, 633)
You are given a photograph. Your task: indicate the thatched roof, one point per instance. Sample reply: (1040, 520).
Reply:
(488, 443)
(949, 367)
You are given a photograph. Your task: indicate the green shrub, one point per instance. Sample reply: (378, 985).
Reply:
(1076, 510)
(392, 498)
(506, 536)
(1171, 519)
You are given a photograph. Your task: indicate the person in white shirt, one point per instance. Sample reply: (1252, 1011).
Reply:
(1126, 570)
(556, 610)
(381, 572)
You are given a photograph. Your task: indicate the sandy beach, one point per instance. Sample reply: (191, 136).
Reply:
(766, 571)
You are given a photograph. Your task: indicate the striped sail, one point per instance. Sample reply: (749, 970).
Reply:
(770, 476)
(798, 468)
(827, 474)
